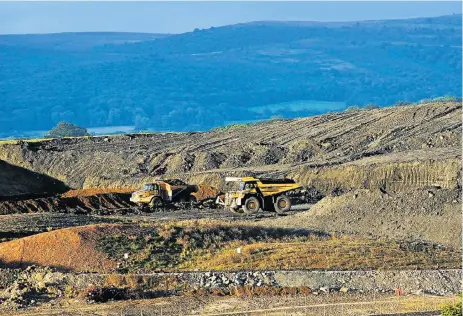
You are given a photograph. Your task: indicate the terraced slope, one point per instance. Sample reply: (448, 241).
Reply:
(393, 148)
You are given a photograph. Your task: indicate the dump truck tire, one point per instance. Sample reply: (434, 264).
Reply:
(236, 210)
(251, 205)
(156, 203)
(282, 204)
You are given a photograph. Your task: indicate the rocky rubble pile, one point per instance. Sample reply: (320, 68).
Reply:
(32, 286)
(436, 282)
(218, 280)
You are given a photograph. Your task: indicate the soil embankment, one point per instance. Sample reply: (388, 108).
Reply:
(75, 204)
(387, 143)
(431, 214)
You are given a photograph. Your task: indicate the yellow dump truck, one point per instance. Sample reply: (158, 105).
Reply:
(164, 192)
(253, 194)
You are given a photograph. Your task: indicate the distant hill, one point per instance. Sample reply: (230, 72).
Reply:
(243, 72)
(74, 41)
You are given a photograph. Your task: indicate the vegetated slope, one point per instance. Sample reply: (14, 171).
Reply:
(185, 247)
(422, 214)
(190, 81)
(20, 182)
(392, 148)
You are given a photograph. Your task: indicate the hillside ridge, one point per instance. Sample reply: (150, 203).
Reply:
(331, 150)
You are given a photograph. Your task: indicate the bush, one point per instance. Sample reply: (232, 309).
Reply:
(452, 310)
(65, 129)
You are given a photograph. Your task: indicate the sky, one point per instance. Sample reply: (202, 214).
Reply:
(179, 17)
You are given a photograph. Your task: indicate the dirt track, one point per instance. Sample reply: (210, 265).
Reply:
(300, 305)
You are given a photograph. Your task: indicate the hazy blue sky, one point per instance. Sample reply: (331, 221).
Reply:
(177, 17)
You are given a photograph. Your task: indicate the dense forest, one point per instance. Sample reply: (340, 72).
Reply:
(206, 78)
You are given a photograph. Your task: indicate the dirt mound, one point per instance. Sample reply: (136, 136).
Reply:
(68, 249)
(278, 147)
(95, 191)
(205, 192)
(424, 214)
(79, 204)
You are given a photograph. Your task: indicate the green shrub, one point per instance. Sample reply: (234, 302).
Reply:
(452, 310)
(65, 129)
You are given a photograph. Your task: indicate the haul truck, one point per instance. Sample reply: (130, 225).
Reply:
(253, 194)
(164, 192)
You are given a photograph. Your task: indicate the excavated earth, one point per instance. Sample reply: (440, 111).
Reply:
(392, 173)
(391, 148)
(99, 203)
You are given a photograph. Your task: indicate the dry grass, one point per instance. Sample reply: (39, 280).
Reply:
(314, 253)
(209, 246)
(16, 141)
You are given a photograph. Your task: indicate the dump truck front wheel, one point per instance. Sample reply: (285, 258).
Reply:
(155, 203)
(251, 205)
(236, 210)
(282, 204)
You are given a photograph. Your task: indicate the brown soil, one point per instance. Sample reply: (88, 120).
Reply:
(68, 249)
(205, 192)
(95, 191)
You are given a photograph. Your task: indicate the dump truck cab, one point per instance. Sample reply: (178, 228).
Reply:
(153, 194)
(252, 194)
(162, 192)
